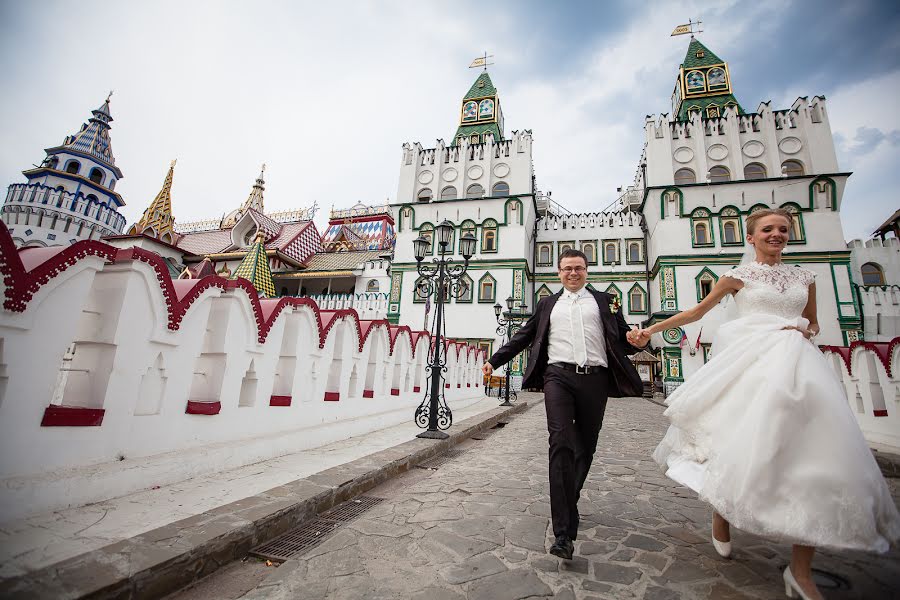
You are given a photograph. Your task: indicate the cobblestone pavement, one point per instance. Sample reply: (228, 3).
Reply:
(477, 528)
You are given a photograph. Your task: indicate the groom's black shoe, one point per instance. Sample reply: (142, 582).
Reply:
(563, 547)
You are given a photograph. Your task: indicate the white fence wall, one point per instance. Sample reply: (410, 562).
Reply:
(110, 370)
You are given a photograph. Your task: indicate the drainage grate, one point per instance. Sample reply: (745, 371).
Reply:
(315, 531)
(349, 510)
(442, 459)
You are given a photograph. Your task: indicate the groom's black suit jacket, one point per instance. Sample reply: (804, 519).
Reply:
(623, 377)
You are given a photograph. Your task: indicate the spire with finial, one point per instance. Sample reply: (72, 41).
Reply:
(255, 200)
(158, 219)
(255, 268)
(93, 137)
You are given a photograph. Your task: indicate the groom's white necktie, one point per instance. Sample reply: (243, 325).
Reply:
(578, 345)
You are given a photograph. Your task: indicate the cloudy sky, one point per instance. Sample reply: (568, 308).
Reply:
(326, 93)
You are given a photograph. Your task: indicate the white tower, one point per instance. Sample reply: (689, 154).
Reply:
(71, 196)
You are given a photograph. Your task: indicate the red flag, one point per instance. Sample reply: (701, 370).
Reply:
(697, 344)
(683, 341)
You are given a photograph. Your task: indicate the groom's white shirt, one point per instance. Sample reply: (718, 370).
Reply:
(561, 348)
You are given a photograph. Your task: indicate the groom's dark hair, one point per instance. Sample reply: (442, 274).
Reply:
(571, 253)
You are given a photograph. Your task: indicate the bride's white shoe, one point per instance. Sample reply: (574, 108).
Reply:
(723, 548)
(791, 587)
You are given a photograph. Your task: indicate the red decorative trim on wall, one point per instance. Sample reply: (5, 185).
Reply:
(416, 389)
(447, 385)
(395, 391)
(57, 415)
(468, 385)
(332, 396)
(368, 393)
(280, 401)
(201, 407)
(459, 385)
(881, 413)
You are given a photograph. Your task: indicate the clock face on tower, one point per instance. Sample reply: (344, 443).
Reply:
(695, 81)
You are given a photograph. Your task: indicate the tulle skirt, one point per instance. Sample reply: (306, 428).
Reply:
(764, 433)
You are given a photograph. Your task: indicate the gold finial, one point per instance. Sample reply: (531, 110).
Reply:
(172, 164)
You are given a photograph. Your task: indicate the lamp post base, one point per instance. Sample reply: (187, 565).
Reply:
(433, 434)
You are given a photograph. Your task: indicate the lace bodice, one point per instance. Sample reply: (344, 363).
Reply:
(781, 289)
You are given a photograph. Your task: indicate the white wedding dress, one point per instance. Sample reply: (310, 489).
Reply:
(764, 432)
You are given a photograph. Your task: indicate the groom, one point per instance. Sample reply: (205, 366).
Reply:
(578, 348)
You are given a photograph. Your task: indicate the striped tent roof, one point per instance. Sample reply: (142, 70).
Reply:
(255, 269)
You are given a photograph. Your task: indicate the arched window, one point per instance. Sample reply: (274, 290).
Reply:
(545, 255)
(486, 109)
(489, 236)
(542, 293)
(424, 195)
(701, 233)
(684, 175)
(467, 227)
(373, 285)
(792, 168)
(427, 232)
(754, 171)
(470, 111)
(872, 274)
(718, 174)
(729, 232)
(590, 251)
(90, 201)
(610, 252)
(696, 82)
(795, 235)
(475, 191)
(501, 188)
(448, 193)
(615, 292)
(96, 175)
(420, 292)
(73, 167)
(634, 252)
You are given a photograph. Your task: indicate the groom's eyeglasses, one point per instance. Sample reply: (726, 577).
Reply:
(573, 269)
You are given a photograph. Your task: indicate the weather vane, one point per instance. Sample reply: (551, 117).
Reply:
(688, 28)
(482, 61)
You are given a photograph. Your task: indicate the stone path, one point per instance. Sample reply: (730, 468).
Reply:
(478, 526)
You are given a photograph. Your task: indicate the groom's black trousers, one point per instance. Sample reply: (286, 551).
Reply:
(575, 405)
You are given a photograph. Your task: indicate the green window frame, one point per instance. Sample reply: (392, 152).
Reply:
(490, 231)
(671, 196)
(798, 232)
(615, 246)
(592, 245)
(560, 246)
(632, 293)
(701, 221)
(705, 281)
(466, 298)
(467, 226)
(630, 244)
(484, 298)
(548, 246)
(518, 211)
(427, 230)
(613, 290)
(541, 293)
(417, 298)
(730, 215)
(706, 350)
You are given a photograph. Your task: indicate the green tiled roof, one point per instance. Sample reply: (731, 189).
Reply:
(719, 101)
(483, 86)
(255, 269)
(691, 61)
(480, 129)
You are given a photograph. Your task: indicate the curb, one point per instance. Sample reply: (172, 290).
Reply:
(166, 559)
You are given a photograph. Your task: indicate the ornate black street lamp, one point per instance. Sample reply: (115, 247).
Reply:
(443, 280)
(511, 320)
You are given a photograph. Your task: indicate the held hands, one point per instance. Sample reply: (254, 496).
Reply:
(638, 337)
(487, 369)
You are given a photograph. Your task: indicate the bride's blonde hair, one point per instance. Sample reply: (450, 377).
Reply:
(765, 212)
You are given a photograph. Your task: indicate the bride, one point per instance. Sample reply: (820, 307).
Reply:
(763, 432)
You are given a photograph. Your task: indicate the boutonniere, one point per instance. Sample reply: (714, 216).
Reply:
(614, 305)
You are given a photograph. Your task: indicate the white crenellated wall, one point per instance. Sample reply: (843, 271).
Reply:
(112, 372)
(868, 372)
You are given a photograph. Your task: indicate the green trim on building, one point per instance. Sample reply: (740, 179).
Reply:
(631, 309)
(812, 190)
(493, 298)
(594, 243)
(702, 216)
(641, 250)
(595, 277)
(699, 277)
(672, 365)
(739, 230)
(618, 246)
(521, 211)
(662, 201)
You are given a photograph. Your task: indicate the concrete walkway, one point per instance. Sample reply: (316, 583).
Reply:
(477, 528)
(34, 543)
